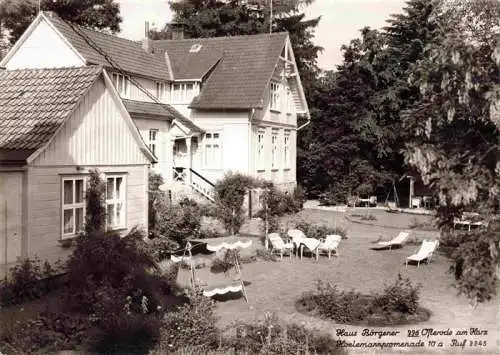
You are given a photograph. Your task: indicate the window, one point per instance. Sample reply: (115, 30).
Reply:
(212, 151)
(274, 150)
(161, 91)
(122, 84)
(260, 149)
(153, 135)
(115, 201)
(286, 146)
(73, 206)
(275, 96)
(183, 93)
(289, 101)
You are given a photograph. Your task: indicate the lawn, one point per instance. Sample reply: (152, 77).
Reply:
(276, 286)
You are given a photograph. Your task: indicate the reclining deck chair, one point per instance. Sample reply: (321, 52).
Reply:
(277, 244)
(424, 253)
(330, 244)
(395, 242)
(301, 242)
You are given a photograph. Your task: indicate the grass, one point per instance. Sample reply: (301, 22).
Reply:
(276, 286)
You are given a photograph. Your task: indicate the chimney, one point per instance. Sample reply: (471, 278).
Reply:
(146, 44)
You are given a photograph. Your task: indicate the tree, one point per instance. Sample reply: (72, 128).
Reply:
(16, 15)
(356, 129)
(453, 132)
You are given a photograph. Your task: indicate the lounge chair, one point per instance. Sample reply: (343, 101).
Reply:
(277, 244)
(424, 253)
(395, 242)
(296, 235)
(330, 244)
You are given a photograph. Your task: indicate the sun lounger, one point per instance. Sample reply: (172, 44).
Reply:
(395, 242)
(424, 253)
(277, 244)
(330, 244)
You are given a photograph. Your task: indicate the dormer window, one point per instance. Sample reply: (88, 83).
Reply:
(195, 48)
(183, 93)
(122, 84)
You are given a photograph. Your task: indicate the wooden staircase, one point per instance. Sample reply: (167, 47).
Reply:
(197, 183)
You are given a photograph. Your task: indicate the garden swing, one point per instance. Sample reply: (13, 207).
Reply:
(214, 285)
(392, 206)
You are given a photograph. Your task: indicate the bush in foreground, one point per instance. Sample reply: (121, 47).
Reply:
(312, 230)
(397, 304)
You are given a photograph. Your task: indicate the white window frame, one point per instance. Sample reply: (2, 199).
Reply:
(274, 149)
(261, 146)
(182, 95)
(116, 200)
(289, 101)
(212, 159)
(73, 206)
(122, 84)
(274, 93)
(161, 91)
(153, 141)
(286, 149)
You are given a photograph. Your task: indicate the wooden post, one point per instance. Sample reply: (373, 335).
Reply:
(412, 182)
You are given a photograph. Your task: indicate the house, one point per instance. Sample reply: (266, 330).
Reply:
(204, 106)
(56, 125)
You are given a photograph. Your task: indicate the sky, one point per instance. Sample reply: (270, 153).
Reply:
(340, 22)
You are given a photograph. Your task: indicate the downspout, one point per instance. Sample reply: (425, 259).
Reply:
(250, 150)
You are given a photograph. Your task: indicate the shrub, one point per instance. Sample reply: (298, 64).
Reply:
(279, 203)
(125, 334)
(47, 333)
(209, 233)
(319, 231)
(160, 247)
(190, 324)
(401, 297)
(271, 337)
(95, 208)
(368, 217)
(229, 197)
(28, 281)
(157, 200)
(179, 223)
(398, 303)
(106, 266)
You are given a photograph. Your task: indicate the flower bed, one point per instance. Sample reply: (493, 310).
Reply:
(397, 304)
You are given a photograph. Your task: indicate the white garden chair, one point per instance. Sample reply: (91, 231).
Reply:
(424, 253)
(395, 242)
(278, 245)
(330, 244)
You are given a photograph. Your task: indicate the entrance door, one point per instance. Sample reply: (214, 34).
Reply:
(10, 216)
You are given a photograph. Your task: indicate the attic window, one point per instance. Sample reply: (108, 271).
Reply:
(195, 48)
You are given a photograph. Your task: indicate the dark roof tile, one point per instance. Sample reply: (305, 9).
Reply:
(128, 55)
(35, 103)
(245, 66)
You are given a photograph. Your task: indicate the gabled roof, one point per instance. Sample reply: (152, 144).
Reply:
(129, 55)
(142, 109)
(244, 67)
(35, 103)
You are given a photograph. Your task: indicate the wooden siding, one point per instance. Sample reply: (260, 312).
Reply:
(163, 152)
(46, 205)
(10, 216)
(95, 134)
(234, 128)
(44, 48)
